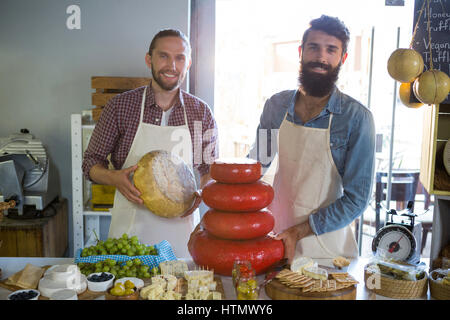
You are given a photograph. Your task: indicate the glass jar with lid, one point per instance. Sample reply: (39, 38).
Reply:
(240, 267)
(247, 286)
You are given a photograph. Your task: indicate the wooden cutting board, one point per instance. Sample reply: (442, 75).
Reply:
(278, 291)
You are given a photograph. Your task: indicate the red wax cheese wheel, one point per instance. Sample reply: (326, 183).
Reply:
(219, 254)
(237, 197)
(238, 225)
(243, 170)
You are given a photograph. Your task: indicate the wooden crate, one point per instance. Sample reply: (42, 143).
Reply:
(38, 237)
(436, 132)
(108, 87)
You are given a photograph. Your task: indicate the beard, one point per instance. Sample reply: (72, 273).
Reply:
(166, 86)
(314, 84)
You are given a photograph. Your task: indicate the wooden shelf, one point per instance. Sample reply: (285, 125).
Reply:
(436, 132)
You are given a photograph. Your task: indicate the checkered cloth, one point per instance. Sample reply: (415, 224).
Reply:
(164, 249)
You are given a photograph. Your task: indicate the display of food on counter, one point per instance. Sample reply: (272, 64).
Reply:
(66, 282)
(100, 281)
(237, 197)
(137, 282)
(439, 280)
(123, 288)
(162, 287)
(219, 254)
(237, 170)
(443, 276)
(130, 268)
(340, 262)
(316, 280)
(124, 257)
(301, 263)
(397, 270)
(237, 225)
(125, 245)
(24, 295)
(60, 277)
(176, 268)
(244, 280)
(194, 285)
(27, 278)
(201, 285)
(64, 294)
(166, 183)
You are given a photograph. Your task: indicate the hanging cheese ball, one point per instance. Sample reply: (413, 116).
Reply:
(404, 93)
(405, 65)
(432, 87)
(166, 182)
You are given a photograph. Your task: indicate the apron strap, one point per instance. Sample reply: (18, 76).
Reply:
(141, 118)
(185, 116)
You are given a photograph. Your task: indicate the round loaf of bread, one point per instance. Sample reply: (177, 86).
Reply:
(166, 183)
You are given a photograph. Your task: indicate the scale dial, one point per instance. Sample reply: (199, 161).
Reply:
(398, 242)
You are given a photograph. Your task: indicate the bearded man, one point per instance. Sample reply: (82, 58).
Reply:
(326, 151)
(153, 117)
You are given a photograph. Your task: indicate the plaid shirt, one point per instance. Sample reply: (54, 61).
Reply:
(114, 133)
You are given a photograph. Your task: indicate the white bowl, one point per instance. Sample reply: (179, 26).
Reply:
(138, 283)
(25, 290)
(64, 294)
(100, 286)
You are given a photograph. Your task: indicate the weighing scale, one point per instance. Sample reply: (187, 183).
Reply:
(397, 239)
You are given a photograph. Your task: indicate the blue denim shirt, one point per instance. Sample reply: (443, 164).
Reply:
(352, 144)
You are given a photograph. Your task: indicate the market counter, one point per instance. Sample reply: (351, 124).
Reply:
(11, 265)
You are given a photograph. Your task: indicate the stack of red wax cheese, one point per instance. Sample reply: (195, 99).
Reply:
(236, 226)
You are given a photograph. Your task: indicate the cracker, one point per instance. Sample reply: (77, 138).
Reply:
(331, 285)
(346, 280)
(307, 289)
(336, 275)
(306, 284)
(282, 273)
(316, 286)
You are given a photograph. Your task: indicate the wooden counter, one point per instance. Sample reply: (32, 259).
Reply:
(36, 237)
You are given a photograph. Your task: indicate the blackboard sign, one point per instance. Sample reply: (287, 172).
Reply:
(439, 14)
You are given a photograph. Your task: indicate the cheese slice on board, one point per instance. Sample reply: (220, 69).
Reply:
(316, 273)
(300, 263)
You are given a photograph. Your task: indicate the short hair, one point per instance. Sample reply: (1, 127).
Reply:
(332, 26)
(169, 33)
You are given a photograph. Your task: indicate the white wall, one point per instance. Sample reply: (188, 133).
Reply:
(46, 69)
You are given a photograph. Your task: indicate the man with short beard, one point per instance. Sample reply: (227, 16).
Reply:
(159, 116)
(326, 151)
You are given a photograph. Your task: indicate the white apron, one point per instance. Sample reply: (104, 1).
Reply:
(306, 180)
(134, 219)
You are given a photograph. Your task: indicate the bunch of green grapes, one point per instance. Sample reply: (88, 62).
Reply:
(130, 268)
(124, 246)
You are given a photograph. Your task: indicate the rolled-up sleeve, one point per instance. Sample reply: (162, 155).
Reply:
(357, 180)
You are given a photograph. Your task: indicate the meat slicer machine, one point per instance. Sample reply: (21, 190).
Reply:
(28, 179)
